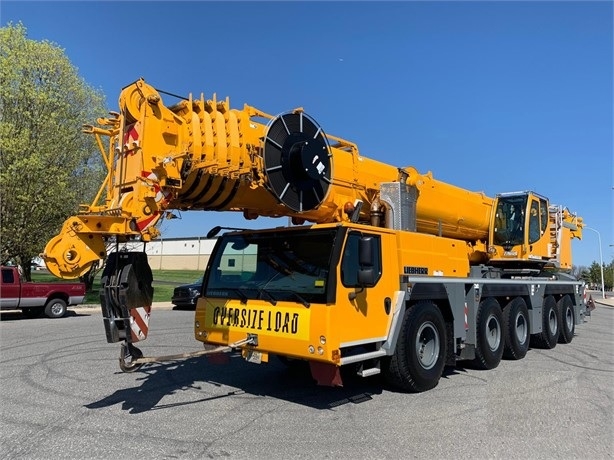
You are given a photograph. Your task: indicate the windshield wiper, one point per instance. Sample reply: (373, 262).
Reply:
(299, 297)
(271, 299)
(241, 295)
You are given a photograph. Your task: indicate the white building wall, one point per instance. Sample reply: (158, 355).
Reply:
(175, 253)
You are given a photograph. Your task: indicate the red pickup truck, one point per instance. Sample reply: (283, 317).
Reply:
(35, 298)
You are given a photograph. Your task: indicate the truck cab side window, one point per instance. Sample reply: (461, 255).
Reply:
(7, 276)
(350, 263)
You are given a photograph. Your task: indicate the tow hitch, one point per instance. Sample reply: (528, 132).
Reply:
(131, 358)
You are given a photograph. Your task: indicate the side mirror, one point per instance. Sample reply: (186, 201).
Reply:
(366, 273)
(214, 231)
(365, 251)
(366, 277)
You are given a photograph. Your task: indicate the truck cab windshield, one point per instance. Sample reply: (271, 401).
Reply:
(272, 266)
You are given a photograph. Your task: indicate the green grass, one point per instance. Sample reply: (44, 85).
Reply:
(164, 283)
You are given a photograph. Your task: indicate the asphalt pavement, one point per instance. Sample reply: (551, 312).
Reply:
(600, 301)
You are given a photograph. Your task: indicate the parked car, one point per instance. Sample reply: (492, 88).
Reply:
(34, 299)
(186, 296)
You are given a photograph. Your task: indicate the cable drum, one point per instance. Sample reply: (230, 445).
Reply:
(297, 161)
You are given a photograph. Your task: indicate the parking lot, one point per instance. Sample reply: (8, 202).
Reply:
(65, 397)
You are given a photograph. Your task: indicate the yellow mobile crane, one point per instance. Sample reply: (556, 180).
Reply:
(383, 268)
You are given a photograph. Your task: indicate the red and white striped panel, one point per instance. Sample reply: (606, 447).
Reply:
(139, 323)
(131, 136)
(160, 196)
(466, 315)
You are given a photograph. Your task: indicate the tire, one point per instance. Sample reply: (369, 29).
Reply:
(549, 335)
(127, 354)
(55, 308)
(32, 312)
(516, 329)
(567, 323)
(489, 335)
(419, 356)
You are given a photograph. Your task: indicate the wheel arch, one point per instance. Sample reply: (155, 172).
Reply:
(58, 295)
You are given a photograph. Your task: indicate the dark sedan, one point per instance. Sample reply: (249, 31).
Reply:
(186, 296)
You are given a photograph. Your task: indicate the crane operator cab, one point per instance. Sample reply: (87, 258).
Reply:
(520, 229)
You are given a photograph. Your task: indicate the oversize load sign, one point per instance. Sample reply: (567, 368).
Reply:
(284, 322)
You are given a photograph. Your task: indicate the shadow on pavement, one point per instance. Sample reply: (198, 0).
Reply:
(269, 380)
(16, 315)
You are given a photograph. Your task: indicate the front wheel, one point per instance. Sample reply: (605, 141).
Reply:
(419, 357)
(55, 308)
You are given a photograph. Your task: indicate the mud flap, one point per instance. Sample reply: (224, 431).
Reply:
(326, 374)
(126, 296)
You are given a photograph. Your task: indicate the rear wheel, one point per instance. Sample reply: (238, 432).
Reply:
(490, 341)
(567, 323)
(549, 335)
(55, 308)
(419, 357)
(516, 328)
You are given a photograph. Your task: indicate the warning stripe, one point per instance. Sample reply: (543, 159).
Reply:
(131, 137)
(466, 317)
(160, 196)
(139, 323)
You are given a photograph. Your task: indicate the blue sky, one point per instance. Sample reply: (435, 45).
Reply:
(489, 96)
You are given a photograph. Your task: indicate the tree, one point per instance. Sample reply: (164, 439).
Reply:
(592, 275)
(47, 165)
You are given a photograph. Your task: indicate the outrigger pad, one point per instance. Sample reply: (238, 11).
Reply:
(126, 296)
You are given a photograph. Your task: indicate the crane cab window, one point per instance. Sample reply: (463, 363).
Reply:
(534, 229)
(538, 220)
(510, 220)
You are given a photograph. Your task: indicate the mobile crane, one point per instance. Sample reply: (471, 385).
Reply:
(383, 268)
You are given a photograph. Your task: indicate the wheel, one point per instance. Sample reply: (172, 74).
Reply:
(55, 308)
(33, 312)
(127, 354)
(419, 356)
(567, 323)
(516, 329)
(549, 335)
(489, 335)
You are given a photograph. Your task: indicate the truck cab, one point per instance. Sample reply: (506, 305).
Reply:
(327, 294)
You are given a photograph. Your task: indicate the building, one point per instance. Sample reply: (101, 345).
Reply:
(175, 253)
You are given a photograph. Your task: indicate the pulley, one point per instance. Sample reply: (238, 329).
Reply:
(297, 161)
